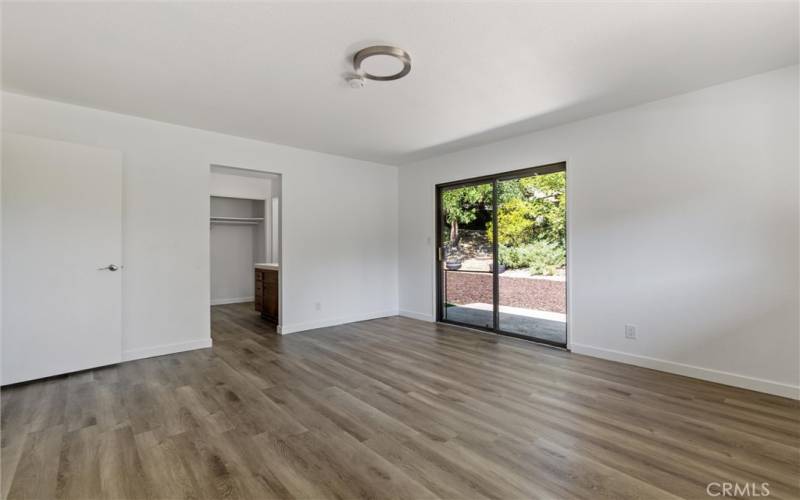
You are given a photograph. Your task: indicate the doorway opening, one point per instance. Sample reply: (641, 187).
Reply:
(244, 243)
(501, 259)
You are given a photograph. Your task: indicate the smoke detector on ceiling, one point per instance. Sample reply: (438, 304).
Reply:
(356, 82)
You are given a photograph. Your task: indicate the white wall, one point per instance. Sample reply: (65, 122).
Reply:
(683, 220)
(339, 229)
(273, 217)
(232, 259)
(237, 183)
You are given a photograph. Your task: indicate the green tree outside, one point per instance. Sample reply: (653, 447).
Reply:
(531, 218)
(461, 205)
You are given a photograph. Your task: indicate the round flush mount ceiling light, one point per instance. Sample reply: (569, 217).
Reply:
(382, 63)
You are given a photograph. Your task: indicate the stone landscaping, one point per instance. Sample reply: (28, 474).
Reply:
(543, 293)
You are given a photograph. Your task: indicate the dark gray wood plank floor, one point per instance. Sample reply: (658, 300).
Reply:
(389, 408)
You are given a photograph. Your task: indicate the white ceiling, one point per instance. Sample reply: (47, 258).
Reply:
(480, 71)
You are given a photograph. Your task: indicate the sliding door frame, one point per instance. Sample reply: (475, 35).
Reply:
(438, 257)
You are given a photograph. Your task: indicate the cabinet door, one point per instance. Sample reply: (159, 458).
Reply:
(271, 300)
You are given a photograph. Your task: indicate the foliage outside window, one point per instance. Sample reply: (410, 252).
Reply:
(531, 219)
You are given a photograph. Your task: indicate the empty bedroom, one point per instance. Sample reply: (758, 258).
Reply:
(400, 250)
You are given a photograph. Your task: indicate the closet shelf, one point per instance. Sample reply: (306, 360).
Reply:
(236, 220)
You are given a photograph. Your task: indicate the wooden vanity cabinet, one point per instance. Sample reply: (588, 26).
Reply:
(267, 294)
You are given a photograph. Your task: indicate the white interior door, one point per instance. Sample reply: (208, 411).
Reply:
(62, 221)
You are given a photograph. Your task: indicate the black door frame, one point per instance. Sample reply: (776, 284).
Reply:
(493, 179)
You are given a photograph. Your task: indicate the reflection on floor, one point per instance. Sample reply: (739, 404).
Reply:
(542, 325)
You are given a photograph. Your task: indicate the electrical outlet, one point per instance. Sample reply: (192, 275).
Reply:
(317, 306)
(630, 332)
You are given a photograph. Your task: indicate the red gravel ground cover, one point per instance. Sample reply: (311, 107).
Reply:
(531, 293)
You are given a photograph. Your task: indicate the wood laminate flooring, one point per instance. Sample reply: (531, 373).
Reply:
(388, 408)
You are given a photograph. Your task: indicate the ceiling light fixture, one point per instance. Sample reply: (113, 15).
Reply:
(382, 63)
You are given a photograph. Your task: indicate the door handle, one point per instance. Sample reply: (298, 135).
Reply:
(110, 267)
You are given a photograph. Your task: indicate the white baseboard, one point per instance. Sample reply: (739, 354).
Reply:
(721, 377)
(311, 325)
(161, 350)
(236, 300)
(417, 315)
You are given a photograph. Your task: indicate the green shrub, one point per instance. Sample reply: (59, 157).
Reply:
(512, 257)
(516, 223)
(531, 209)
(541, 257)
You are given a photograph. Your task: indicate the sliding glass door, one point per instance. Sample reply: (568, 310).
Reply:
(501, 258)
(466, 256)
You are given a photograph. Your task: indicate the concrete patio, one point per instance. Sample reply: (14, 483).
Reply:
(543, 325)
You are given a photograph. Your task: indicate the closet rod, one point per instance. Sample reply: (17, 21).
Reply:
(236, 220)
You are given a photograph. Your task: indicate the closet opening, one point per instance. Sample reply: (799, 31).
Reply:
(245, 246)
